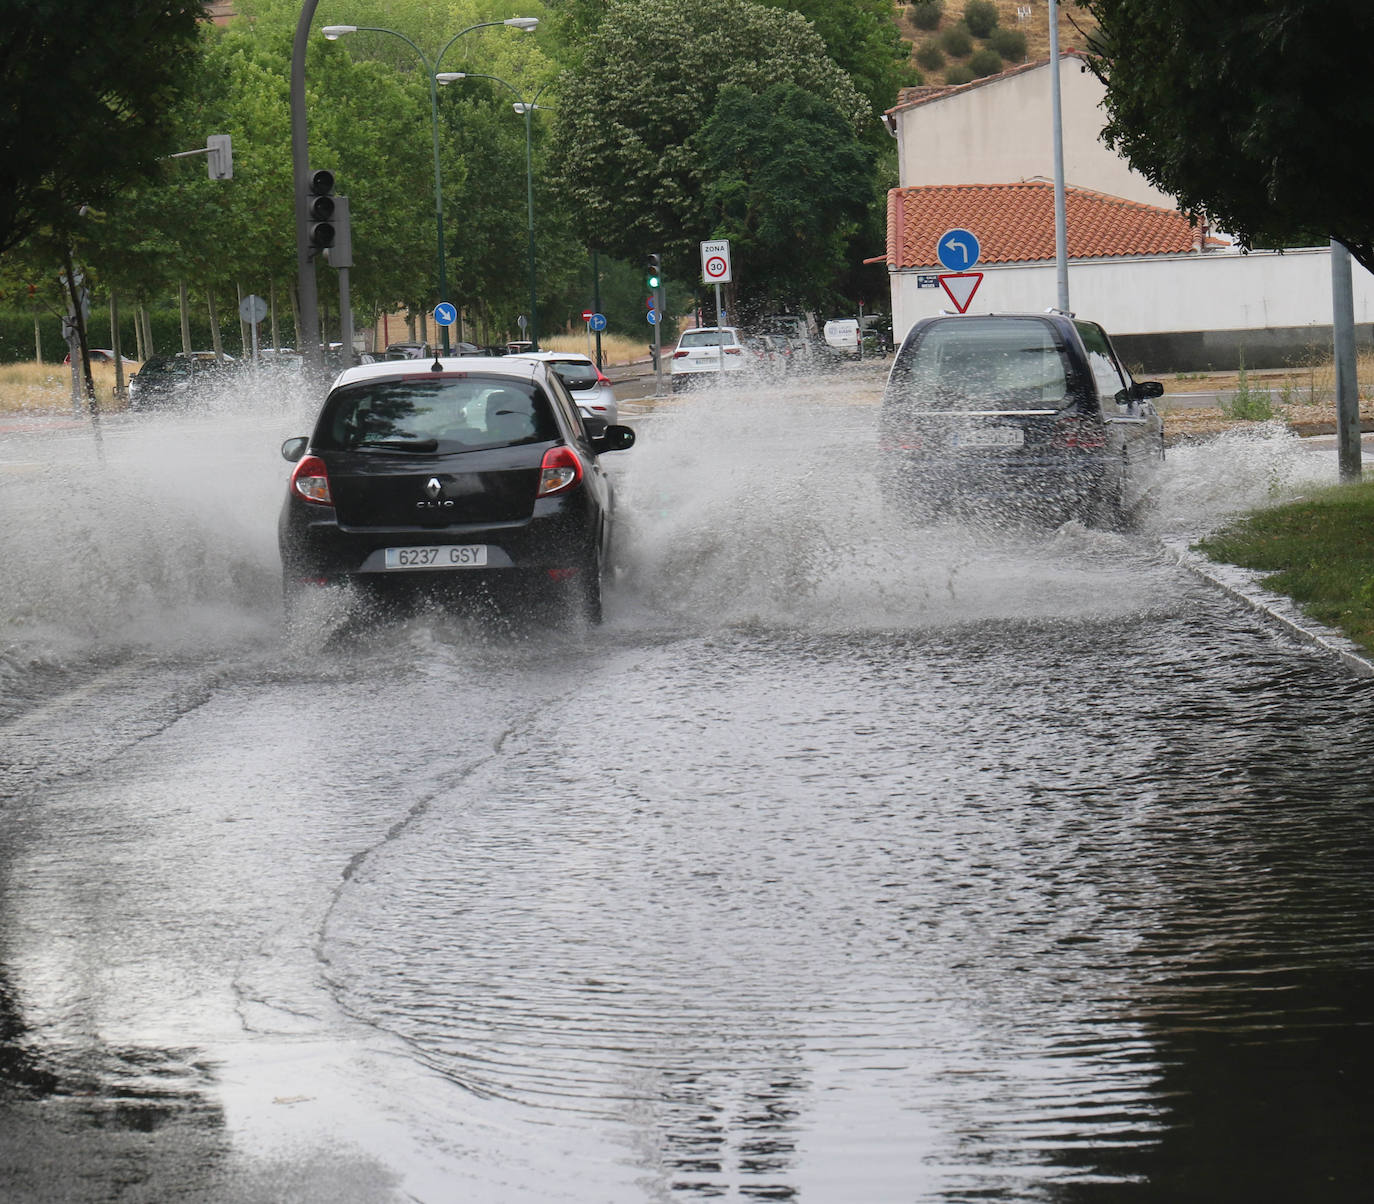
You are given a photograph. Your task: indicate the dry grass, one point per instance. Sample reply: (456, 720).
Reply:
(47, 388)
(615, 348)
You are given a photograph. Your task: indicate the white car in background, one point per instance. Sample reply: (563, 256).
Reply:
(590, 388)
(706, 352)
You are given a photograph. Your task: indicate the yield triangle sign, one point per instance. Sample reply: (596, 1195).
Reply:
(961, 286)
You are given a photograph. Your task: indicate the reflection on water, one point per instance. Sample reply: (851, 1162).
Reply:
(990, 912)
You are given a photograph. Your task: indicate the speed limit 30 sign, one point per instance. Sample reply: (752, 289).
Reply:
(715, 261)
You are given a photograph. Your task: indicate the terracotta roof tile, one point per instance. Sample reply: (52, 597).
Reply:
(1015, 223)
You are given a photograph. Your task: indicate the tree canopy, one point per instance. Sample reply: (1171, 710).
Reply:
(82, 113)
(1254, 112)
(631, 135)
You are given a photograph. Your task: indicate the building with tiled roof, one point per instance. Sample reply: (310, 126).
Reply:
(1176, 296)
(1015, 224)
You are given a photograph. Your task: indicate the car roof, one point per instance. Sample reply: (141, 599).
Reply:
(513, 367)
(551, 357)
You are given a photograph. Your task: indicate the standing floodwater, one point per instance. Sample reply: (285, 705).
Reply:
(848, 861)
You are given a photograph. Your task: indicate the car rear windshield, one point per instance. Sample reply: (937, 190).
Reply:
(982, 364)
(166, 368)
(438, 412)
(706, 338)
(577, 376)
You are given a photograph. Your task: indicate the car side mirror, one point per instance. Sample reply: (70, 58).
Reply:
(614, 438)
(1143, 389)
(594, 426)
(293, 449)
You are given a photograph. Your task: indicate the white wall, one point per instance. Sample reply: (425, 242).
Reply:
(1001, 133)
(1226, 291)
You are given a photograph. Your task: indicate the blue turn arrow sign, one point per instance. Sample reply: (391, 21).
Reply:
(958, 249)
(445, 313)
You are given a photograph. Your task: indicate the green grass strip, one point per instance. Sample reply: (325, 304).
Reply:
(1317, 550)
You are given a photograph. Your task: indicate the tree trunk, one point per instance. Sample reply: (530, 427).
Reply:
(184, 299)
(216, 341)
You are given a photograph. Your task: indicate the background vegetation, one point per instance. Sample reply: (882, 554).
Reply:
(629, 155)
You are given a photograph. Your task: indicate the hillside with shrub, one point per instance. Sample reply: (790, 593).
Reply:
(958, 41)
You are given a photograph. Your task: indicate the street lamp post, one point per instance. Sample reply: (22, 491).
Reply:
(523, 108)
(334, 32)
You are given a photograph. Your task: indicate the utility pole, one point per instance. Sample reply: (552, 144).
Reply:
(1061, 235)
(1347, 386)
(300, 159)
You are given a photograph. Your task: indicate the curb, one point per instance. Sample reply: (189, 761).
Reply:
(1243, 585)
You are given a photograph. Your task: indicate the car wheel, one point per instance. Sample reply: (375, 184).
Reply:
(587, 591)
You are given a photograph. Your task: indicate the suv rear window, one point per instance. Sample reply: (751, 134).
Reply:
(433, 413)
(707, 338)
(982, 364)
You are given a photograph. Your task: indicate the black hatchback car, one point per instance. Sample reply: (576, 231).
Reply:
(1030, 412)
(444, 473)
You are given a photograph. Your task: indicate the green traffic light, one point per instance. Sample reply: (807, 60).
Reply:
(653, 282)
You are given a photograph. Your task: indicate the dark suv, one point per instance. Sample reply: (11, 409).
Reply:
(1021, 411)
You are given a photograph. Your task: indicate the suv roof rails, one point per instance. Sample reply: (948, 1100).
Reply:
(1054, 309)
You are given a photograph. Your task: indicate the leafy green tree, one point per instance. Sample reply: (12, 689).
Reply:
(1256, 114)
(82, 114)
(862, 37)
(783, 174)
(629, 137)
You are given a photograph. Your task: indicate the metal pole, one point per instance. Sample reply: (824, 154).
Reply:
(346, 321)
(596, 301)
(1347, 387)
(438, 193)
(300, 159)
(529, 190)
(1061, 236)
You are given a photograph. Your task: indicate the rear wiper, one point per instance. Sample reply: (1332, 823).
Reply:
(407, 445)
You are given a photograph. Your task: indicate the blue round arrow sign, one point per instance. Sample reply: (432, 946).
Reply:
(445, 313)
(597, 321)
(652, 317)
(958, 249)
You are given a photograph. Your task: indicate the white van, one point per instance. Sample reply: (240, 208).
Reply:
(842, 336)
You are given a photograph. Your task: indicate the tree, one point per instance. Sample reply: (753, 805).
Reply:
(630, 135)
(862, 37)
(783, 174)
(82, 115)
(1253, 112)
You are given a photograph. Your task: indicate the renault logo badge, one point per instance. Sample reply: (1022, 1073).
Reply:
(433, 488)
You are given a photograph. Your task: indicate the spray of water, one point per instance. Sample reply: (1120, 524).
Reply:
(162, 538)
(755, 504)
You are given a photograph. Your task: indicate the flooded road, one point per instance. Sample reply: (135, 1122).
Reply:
(845, 862)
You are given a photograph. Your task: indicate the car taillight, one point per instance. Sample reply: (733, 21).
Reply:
(602, 379)
(561, 470)
(677, 355)
(1078, 433)
(734, 351)
(311, 481)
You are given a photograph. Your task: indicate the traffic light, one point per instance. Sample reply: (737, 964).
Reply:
(339, 254)
(319, 210)
(653, 277)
